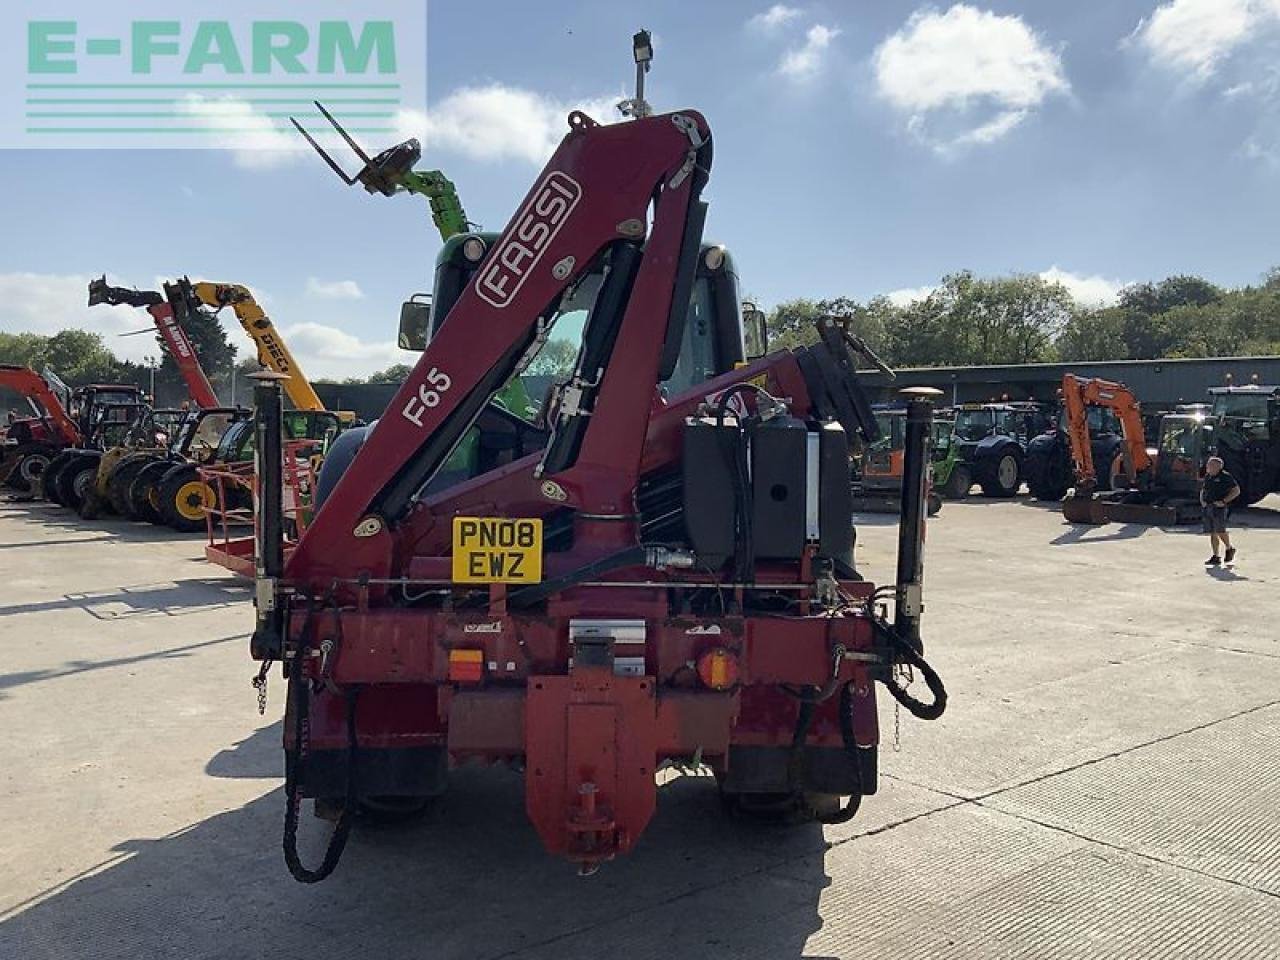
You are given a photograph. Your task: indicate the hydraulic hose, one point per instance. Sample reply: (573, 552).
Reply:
(299, 694)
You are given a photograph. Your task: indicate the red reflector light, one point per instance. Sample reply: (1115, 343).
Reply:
(466, 666)
(718, 669)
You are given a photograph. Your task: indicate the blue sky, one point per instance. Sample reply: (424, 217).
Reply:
(862, 148)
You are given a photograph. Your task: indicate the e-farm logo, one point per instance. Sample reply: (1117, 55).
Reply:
(206, 73)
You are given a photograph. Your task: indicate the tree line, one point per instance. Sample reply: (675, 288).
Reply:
(966, 320)
(1023, 318)
(79, 357)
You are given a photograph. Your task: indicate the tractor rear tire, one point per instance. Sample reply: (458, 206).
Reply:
(49, 478)
(75, 479)
(118, 484)
(959, 483)
(934, 503)
(32, 461)
(1004, 477)
(1045, 479)
(144, 500)
(184, 499)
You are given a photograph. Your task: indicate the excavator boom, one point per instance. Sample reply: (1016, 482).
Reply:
(1080, 393)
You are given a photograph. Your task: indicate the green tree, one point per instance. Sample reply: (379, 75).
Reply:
(1093, 335)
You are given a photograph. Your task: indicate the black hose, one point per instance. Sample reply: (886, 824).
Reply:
(295, 760)
(850, 809)
(907, 654)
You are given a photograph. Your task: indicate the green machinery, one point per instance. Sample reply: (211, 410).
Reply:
(391, 172)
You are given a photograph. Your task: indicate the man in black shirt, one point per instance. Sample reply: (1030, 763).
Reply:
(1219, 489)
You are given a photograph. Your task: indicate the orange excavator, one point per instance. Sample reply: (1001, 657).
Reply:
(1157, 486)
(31, 442)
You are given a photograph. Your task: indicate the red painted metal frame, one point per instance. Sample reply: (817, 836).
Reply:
(590, 741)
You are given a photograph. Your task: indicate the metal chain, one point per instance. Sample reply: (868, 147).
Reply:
(260, 684)
(897, 727)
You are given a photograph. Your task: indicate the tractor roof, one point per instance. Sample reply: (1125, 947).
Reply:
(1255, 388)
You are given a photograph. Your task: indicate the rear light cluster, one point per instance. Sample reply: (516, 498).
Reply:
(718, 669)
(466, 666)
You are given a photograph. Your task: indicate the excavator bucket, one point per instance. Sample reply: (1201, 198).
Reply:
(1128, 508)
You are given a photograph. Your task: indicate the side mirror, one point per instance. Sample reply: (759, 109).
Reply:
(755, 335)
(415, 322)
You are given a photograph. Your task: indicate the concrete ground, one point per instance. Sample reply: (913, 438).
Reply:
(1105, 783)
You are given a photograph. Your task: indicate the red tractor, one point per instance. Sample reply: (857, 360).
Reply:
(669, 579)
(31, 443)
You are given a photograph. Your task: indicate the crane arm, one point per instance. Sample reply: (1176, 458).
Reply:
(175, 338)
(29, 384)
(272, 351)
(1080, 393)
(592, 200)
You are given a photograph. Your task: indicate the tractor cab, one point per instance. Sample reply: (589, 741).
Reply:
(719, 332)
(237, 444)
(1246, 422)
(714, 336)
(202, 433)
(1183, 446)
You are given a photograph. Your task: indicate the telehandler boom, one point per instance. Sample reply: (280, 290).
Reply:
(170, 329)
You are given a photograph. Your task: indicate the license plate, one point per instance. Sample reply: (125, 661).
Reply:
(497, 550)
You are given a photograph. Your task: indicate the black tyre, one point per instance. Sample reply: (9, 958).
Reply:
(185, 498)
(959, 483)
(1046, 478)
(49, 478)
(144, 498)
(32, 461)
(121, 479)
(75, 479)
(1003, 475)
(934, 503)
(341, 452)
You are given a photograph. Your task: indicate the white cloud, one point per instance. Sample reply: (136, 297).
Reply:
(778, 15)
(974, 73)
(906, 296)
(47, 303)
(497, 122)
(1088, 291)
(334, 289)
(325, 352)
(804, 61)
(1198, 35)
(256, 143)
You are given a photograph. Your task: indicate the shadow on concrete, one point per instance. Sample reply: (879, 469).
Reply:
(1225, 574)
(1079, 533)
(54, 542)
(169, 599)
(53, 517)
(73, 667)
(470, 882)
